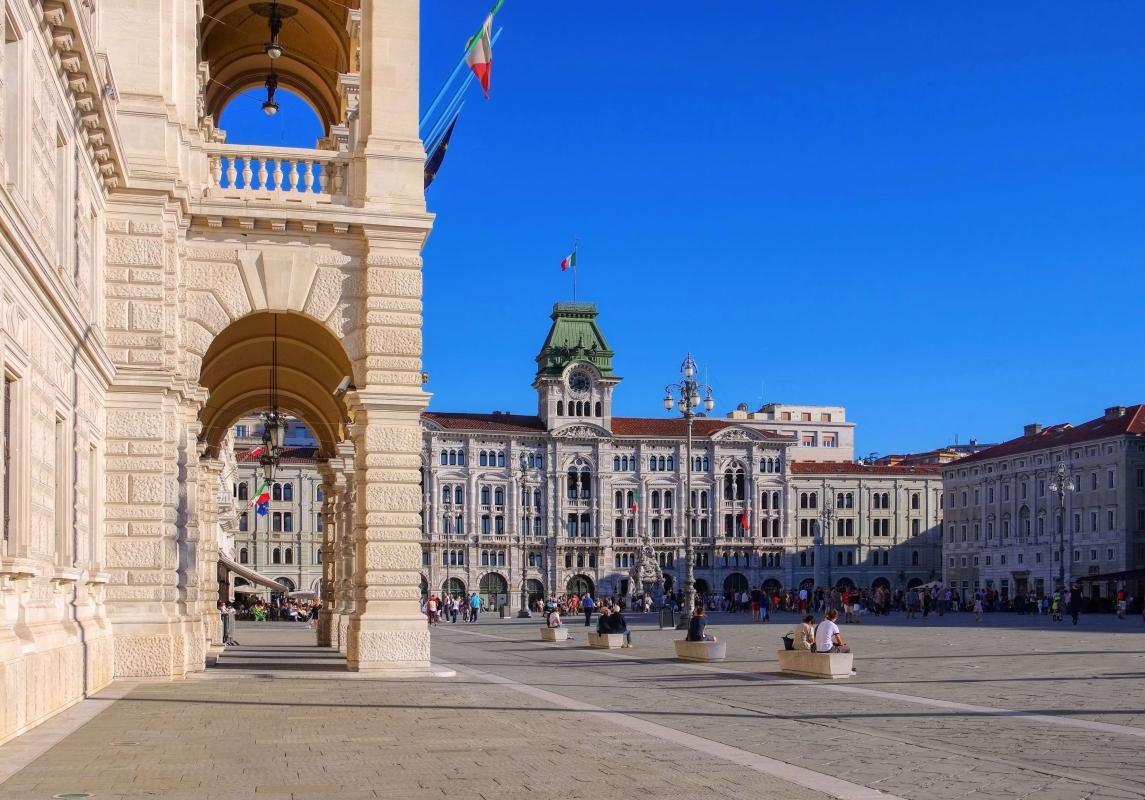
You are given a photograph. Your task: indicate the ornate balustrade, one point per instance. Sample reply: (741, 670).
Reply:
(276, 172)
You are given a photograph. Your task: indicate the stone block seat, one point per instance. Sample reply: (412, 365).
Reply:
(554, 634)
(606, 641)
(816, 665)
(701, 651)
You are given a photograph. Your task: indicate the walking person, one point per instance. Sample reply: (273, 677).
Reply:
(977, 608)
(588, 605)
(474, 606)
(1073, 604)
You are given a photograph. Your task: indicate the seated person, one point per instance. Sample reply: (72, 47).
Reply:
(828, 639)
(619, 625)
(803, 634)
(604, 621)
(697, 625)
(554, 619)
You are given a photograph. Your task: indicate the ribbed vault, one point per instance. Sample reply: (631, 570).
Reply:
(317, 48)
(237, 374)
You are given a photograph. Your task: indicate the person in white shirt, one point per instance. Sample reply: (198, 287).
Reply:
(828, 639)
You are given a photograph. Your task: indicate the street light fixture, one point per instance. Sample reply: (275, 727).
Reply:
(825, 517)
(1062, 483)
(685, 397)
(524, 612)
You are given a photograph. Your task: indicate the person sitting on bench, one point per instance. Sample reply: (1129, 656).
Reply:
(696, 627)
(828, 639)
(554, 620)
(617, 624)
(803, 635)
(604, 621)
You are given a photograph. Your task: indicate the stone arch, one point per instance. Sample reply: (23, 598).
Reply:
(224, 286)
(311, 362)
(580, 584)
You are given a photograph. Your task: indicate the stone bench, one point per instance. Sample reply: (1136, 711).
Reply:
(554, 634)
(701, 651)
(606, 641)
(816, 665)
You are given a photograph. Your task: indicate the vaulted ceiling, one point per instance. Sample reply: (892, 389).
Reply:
(316, 41)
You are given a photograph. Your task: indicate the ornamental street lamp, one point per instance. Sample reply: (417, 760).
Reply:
(824, 537)
(685, 397)
(524, 612)
(1062, 483)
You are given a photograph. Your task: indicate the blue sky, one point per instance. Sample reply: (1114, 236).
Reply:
(927, 212)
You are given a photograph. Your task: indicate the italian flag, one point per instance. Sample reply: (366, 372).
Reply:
(568, 261)
(262, 496)
(635, 501)
(479, 52)
(743, 520)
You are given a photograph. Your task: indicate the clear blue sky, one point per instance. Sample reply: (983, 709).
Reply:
(930, 213)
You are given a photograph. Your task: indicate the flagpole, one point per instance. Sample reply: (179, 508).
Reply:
(453, 76)
(576, 243)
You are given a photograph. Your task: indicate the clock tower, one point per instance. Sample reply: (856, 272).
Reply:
(574, 380)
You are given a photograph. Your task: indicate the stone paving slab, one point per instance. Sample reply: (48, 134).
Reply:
(526, 719)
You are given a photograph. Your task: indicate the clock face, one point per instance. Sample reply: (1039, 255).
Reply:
(579, 381)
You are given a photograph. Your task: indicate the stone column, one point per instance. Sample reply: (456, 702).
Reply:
(387, 629)
(331, 490)
(344, 587)
(210, 473)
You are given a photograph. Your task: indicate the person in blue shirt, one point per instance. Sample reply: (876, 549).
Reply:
(474, 606)
(588, 605)
(697, 625)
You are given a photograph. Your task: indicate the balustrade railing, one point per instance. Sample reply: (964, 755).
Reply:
(282, 170)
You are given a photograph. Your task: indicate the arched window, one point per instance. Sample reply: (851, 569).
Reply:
(498, 496)
(484, 495)
(461, 458)
(244, 521)
(839, 500)
(914, 500)
(288, 555)
(446, 555)
(276, 556)
(501, 458)
(707, 464)
(444, 458)
(814, 499)
(288, 492)
(568, 560)
(483, 459)
(599, 408)
(276, 492)
(886, 500)
(775, 528)
(484, 558)
(668, 499)
(446, 495)
(244, 556)
(803, 559)
(618, 500)
(319, 494)
(580, 560)
(461, 558)
(914, 558)
(656, 501)
(458, 496)
(560, 408)
(803, 501)
(775, 500)
(765, 500)
(452, 457)
(287, 522)
(276, 522)
(630, 499)
(244, 491)
(616, 463)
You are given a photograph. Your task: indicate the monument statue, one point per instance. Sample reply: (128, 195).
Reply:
(646, 575)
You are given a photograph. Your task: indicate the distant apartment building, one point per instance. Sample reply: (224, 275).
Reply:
(820, 433)
(1006, 527)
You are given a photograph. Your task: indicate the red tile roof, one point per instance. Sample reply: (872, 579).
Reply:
(486, 422)
(672, 427)
(851, 468)
(702, 428)
(290, 455)
(1132, 422)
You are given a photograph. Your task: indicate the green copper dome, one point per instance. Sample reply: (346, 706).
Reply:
(573, 337)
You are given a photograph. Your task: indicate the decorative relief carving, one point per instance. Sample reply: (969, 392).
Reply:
(581, 432)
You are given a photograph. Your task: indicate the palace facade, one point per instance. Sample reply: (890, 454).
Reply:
(560, 501)
(1009, 528)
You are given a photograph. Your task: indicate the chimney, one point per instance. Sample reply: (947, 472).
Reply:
(1113, 412)
(1033, 429)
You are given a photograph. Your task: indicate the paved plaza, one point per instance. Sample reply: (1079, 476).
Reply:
(941, 708)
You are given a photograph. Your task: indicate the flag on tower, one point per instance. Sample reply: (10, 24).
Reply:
(568, 261)
(479, 52)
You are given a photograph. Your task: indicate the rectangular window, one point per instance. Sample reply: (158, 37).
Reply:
(809, 440)
(1093, 555)
(1021, 558)
(830, 440)
(63, 518)
(1002, 560)
(1093, 521)
(1109, 519)
(1109, 554)
(1037, 558)
(240, 431)
(1140, 478)
(988, 560)
(1112, 480)
(9, 435)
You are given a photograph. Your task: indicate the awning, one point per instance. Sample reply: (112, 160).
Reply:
(250, 574)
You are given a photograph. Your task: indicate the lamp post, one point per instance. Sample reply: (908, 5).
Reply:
(523, 533)
(1062, 483)
(823, 539)
(685, 397)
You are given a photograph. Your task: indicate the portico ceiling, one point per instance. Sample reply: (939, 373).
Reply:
(316, 43)
(237, 373)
